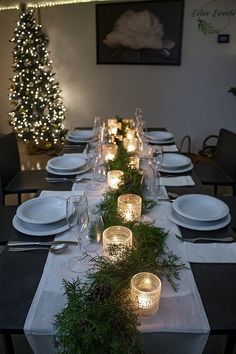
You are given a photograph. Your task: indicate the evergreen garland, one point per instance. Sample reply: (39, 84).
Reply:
(98, 317)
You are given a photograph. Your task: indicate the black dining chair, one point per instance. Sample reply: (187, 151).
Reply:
(14, 180)
(221, 170)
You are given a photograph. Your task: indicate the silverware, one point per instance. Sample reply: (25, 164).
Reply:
(55, 249)
(207, 239)
(66, 179)
(43, 243)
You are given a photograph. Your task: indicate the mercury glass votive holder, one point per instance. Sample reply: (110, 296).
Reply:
(111, 122)
(114, 179)
(145, 292)
(132, 145)
(129, 207)
(127, 123)
(134, 162)
(110, 151)
(130, 133)
(116, 235)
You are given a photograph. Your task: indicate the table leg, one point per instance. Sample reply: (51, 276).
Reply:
(230, 344)
(7, 344)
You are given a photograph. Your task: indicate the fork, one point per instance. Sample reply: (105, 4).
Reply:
(66, 179)
(209, 239)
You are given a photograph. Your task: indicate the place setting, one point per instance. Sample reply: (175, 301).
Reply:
(81, 136)
(159, 137)
(175, 163)
(68, 165)
(202, 214)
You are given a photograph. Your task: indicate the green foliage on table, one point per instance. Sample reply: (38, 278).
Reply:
(98, 317)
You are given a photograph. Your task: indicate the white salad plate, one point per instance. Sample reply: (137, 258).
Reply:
(67, 162)
(200, 207)
(176, 170)
(40, 230)
(81, 134)
(172, 160)
(159, 135)
(79, 141)
(78, 171)
(196, 224)
(42, 210)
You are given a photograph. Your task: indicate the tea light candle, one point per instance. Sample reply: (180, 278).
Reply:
(130, 133)
(145, 291)
(134, 162)
(116, 235)
(132, 145)
(114, 178)
(129, 206)
(110, 151)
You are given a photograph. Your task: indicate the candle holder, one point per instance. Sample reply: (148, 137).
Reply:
(134, 162)
(130, 133)
(119, 236)
(145, 291)
(132, 145)
(110, 151)
(127, 123)
(114, 179)
(129, 207)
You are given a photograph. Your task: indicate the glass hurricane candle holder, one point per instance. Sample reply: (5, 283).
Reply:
(114, 178)
(145, 291)
(118, 236)
(110, 151)
(129, 207)
(134, 162)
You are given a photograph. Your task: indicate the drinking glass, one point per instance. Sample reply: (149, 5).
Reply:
(77, 216)
(149, 183)
(97, 124)
(157, 156)
(94, 157)
(93, 240)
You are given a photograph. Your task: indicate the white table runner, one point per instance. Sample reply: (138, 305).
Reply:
(173, 315)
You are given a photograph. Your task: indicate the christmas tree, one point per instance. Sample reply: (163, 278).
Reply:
(38, 112)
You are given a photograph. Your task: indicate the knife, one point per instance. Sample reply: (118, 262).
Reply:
(36, 243)
(205, 239)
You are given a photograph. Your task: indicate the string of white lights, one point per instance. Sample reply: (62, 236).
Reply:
(45, 4)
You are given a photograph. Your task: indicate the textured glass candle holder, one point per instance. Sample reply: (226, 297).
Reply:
(127, 123)
(110, 151)
(116, 235)
(114, 178)
(132, 145)
(129, 207)
(130, 133)
(134, 162)
(145, 292)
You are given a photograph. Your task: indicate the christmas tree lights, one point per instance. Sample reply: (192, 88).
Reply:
(38, 112)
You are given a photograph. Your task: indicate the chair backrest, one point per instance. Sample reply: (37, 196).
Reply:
(225, 154)
(9, 158)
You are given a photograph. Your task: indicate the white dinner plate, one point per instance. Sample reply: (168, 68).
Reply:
(176, 170)
(42, 210)
(196, 224)
(39, 230)
(160, 142)
(81, 134)
(67, 162)
(200, 207)
(82, 169)
(172, 160)
(80, 141)
(159, 135)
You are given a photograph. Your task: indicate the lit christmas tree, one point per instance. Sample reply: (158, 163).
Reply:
(38, 112)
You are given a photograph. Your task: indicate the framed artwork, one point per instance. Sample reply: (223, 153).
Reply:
(143, 32)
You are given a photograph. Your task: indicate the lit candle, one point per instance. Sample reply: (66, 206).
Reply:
(127, 123)
(145, 291)
(132, 145)
(116, 235)
(110, 151)
(134, 162)
(130, 133)
(114, 178)
(129, 207)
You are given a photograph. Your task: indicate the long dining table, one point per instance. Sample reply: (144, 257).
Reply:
(20, 274)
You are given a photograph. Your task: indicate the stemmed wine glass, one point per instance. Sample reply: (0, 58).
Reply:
(93, 156)
(157, 156)
(77, 216)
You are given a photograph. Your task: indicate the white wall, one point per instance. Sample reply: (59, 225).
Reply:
(188, 99)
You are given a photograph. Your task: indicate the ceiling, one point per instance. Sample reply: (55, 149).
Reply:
(13, 4)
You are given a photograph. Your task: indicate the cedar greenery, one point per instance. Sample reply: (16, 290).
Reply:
(98, 317)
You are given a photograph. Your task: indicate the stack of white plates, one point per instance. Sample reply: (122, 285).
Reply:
(175, 163)
(41, 216)
(67, 165)
(199, 212)
(81, 136)
(159, 137)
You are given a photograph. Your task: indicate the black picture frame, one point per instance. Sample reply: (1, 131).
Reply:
(140, 32)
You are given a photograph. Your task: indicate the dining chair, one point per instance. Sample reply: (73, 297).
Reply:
(221, 170)
(14, 180)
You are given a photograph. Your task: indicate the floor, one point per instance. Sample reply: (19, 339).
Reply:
(215, 344)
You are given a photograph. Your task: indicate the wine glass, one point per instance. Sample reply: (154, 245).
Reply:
(77, 216)
(97, 124)
(93, 239)
(93, 156)
(157, 156)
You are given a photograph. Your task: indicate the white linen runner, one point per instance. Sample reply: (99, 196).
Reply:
(177, 181)
(180, 312)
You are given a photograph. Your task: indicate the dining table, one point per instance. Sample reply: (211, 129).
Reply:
(20, 272)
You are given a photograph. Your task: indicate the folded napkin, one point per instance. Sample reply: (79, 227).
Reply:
(168, 148)
(177, 181)
(210, 252)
